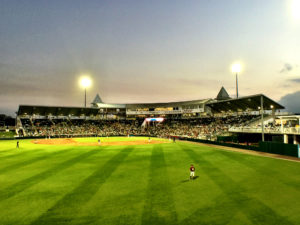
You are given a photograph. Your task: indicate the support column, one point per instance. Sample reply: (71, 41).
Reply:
(285, 139)
(262, 118)
(237, 88)
(273, 116)
(85, 98)
(295, 140)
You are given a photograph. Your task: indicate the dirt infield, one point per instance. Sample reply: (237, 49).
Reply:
(70, 141)
(250, 152)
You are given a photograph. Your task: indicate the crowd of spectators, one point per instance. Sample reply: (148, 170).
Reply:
(204, 128)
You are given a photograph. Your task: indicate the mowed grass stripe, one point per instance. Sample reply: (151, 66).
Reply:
(210, 204)
(121, 198)
(21, 164)
(17, 153)
(255, 210)
(27, 183)
(201, 192)
(2, 152)
(264, 167)
(159, 204)
(28, 205)
(222, 212)
(274, 185)
(66, 209)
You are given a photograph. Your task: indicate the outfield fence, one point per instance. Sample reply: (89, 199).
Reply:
(266, 146)
(279, 148)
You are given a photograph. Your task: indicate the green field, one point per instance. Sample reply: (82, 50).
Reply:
(144, 184)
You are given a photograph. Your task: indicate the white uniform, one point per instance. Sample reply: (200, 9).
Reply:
(192, 169)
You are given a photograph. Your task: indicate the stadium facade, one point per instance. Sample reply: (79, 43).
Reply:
(219, 106)
(256, 116)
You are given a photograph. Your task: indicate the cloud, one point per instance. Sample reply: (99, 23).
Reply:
(286, 68)
(296, 80)
(31, 88)
(291, 102)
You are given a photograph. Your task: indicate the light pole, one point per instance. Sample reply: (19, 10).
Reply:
(85, 82)
(85, 98)
(236, 68)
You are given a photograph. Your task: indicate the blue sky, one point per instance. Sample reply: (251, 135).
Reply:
(146, 51)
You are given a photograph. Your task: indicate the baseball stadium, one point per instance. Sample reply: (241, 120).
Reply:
(220, 160)
(131, 112)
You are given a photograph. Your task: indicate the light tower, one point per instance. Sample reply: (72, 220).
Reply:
(236, 68)
(85, 82)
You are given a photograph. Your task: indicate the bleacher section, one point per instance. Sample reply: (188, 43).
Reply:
(201, 119)
(207, 128)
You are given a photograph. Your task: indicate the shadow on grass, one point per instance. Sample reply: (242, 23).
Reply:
(187, 180)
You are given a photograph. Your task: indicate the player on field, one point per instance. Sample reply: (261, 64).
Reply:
(99, 142)
(192, 171)
(18, 144)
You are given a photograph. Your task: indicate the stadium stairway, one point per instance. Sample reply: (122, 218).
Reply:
(20, 127)
(257, 121)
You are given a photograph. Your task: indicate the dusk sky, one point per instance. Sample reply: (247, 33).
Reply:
(147, 51)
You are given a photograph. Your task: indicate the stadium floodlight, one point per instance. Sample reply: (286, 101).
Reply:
(236, 68)
(85, 82)
(295, 9)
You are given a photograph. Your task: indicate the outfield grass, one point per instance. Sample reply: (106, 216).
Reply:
(144, 184)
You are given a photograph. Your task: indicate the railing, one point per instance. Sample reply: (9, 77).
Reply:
(162, 112)
(270, 130)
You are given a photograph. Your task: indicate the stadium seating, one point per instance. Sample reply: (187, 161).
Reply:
(204, 128)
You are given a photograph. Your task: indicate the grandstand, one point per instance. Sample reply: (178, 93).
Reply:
(256, 116)
(7, 126)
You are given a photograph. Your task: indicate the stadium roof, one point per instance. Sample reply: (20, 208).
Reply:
(248, 103)
(166, 104)
(251, 102)
(97, 99)
(289, 117)
(223, 95)
(56, 110)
